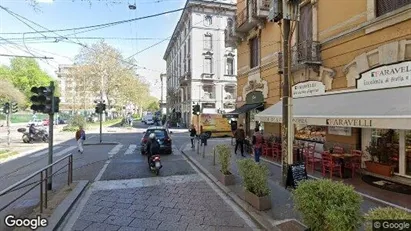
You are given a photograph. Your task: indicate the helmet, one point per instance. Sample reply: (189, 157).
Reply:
(152, 136)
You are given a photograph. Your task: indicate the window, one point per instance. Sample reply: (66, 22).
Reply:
(388, 138)
(188, 45)
(386, 6)
(305, 25)
(208, 20)
(229, 23)
(208, 41)
(188, 65)
(159, 133)
(254, 52)
(208, 67)
(230, 66)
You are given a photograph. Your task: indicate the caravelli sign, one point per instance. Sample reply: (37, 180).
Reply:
(349, 122)
(270, 119)
(388, 76)
(309, 88)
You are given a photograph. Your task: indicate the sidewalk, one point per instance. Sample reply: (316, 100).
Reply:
(282, 205)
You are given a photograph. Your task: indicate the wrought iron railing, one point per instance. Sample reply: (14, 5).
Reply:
(306, 52)
(265, 5)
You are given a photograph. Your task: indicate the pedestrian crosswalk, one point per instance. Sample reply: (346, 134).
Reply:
(130, 150)
(60, 152)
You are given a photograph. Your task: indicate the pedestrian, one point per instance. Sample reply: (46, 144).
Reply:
(239, 135)
(80, 137)
(258, 141)
(193, 133)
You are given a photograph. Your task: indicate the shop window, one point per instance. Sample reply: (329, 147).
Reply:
(311, 133)
(254, 52)
(386, 6)
(391, 138)
(408, 153)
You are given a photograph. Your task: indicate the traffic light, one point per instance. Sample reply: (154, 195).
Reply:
(196, 109)
(6, 108)
(14, 108)
(42, 101)
(56, 104)
(100, 108)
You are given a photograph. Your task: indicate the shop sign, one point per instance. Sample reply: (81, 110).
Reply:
(349, 122)
(340, 131)
(270, 119)
(309, 88)
(254, 97)
(388, 76)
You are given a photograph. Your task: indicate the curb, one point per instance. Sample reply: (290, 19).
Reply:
(64, 207)
(263, 221)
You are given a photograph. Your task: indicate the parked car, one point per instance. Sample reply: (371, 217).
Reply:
(36, 122)
(150, 122)
(163, 137)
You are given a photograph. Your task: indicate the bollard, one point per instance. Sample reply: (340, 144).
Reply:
(198, 146)
(203, 151)
(213, 156)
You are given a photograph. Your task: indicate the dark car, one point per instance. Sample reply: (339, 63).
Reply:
(163, 137)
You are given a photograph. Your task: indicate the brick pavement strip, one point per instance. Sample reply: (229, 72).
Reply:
(191, 206)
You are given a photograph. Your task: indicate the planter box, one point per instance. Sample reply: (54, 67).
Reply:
(259, 203)
(380, 169)
(227, 179)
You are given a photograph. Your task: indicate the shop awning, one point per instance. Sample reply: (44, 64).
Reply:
(388, 108)
(243, 109)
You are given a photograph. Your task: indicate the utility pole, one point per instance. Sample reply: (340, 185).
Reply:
(8, 119)
(51, 133)
(100, 108)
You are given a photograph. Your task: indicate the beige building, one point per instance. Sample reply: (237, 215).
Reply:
(351, 74)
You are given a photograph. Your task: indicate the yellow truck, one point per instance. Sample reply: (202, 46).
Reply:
(213, 124)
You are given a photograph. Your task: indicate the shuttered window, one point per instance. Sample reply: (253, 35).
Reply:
(386, 6)
(254, 52)
(305, 26)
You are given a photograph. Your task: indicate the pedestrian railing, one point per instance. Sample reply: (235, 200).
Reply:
(43, 182)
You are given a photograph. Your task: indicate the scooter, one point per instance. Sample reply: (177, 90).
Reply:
(155, 164)
(40, 135)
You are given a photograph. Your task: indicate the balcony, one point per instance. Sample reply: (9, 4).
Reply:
(306, 53)
(231, 36)
(249, 17)
(185, 78)
(207, 76)
(208, 97)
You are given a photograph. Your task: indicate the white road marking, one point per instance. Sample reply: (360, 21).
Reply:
(64, 151)
(113, 151)
(130, 150)
(44, 152)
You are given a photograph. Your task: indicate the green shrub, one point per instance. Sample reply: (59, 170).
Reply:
(386, 213)
(69, 128)
(328, 205)
(255, 177)
(77, 121)
(224, 157)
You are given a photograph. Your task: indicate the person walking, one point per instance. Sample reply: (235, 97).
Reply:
(193, 133)
(80, 137)
(239, 135)
(258, 141)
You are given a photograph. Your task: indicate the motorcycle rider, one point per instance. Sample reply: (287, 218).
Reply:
(152, 148)
(32, 132)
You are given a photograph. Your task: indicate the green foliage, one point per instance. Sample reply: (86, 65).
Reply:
(381, 149)
(77, 121)
(224, 157)
(151, 104)
(328, 205)
(10, 93)
(255, 177)
(386, 213)
(69, 128)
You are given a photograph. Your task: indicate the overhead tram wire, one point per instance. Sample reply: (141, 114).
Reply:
(92, 27)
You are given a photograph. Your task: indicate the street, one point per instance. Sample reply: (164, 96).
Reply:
(125, 195)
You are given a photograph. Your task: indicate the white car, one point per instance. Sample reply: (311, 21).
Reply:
(36, 123)
(149, 122)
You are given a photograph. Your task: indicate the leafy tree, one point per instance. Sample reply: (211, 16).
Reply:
(152, 104)
(10, 93)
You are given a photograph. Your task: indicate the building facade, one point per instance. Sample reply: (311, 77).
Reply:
(73, 89)
(163, 97)
(200, 68)
(351, 70)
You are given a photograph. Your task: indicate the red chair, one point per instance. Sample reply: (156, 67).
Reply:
(267, 150)
(330, 165)
(277, 152)
(354, 163)
(310, 159)
(338, 150)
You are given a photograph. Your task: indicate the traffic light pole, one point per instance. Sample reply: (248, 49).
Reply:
(101, 126)
(8, 127)
(51, 123)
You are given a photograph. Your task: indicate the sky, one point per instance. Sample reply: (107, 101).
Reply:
(128, 38)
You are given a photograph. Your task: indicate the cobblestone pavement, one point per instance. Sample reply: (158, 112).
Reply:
(166, 203)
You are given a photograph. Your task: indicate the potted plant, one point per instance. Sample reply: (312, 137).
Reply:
(381, 152)
(224, 157)
(328, 205)
(255, 182)
(384, 213)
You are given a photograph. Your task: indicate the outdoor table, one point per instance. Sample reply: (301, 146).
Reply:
(341, 158)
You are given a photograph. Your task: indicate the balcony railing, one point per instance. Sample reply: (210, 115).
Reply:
(306, 52)
(260, 8)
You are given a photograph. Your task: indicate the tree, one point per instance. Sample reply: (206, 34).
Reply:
(10, 93)
(26, 73)
(116, 78)
(152, 104)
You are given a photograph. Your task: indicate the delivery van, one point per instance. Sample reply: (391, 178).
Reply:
(212, 124)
